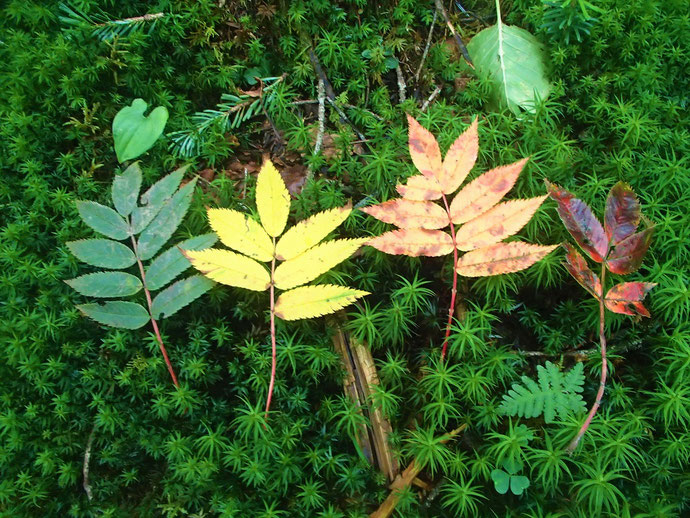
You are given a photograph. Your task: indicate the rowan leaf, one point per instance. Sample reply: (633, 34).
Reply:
(241, 233)
(413, 242)
(178, 295)
(154, 198)
(582, 224)
(622, 213)
(317, 260)
(501, 258)
(103, 253)
(117, 313)
(459, 159)
(424, 150)
(626, 257)
(166, 222)
(409, 213)
(314, 301)
(578, 268)
(498, 223)
(172, 263)
(420, 188)
(103, 220)
(106, 284)
(484, 192)
(310, 232)
(272, 199)
(230, 268)
(125, 189)
(627, 297)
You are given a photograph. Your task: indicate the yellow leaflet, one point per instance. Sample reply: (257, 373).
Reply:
(312, 263)
(314, 301)
(310, 232)
(230, 268)
(241, 233)
(272, 199)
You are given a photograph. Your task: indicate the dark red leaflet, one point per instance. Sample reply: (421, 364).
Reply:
(626, 298)
(578, 268)
(626, 257)
(581, 222)
(622, 213)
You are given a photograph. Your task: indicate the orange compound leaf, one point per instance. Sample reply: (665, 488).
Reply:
(420, 188)
(578, 268)
(460, 159)
(498, 223)
(501, 258)
(426, 155)
(409, 214)
(622, 213)
(414, 242)
(627, 255)
(484, 192)
(582, 224)
(627, 297)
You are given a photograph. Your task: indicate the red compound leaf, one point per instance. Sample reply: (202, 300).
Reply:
(622, 213)
(581, 222)
(577, 266)
(627, 297)
(626, 257)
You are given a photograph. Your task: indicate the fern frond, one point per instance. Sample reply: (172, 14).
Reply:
(553, 393)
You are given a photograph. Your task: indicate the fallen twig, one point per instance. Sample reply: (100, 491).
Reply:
(458, 40)
(426, 48)
(87, 459)
(433, 95)
(401, 84)
(321, 91)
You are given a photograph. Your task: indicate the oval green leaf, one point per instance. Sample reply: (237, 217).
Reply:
(106, 284)
(103, 253)
(134, 134)
(178, 295)
(126, 315)
(172, 263)
(103, 220)
(125, 190)
(501, 480)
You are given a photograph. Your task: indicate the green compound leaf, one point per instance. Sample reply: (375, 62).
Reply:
(166, 222)
(154, 199)
(134, 134)
(178, 295)
(106, 284)
(554, 393)
(126, 315)
(125, 189)
(103, 253)
(514, 61)
(501, 480)
(103, 220)
(172, 263)
(518, 484)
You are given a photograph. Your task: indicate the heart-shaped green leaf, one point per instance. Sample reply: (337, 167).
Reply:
(518, 484)
(501, 480)
(133, 133)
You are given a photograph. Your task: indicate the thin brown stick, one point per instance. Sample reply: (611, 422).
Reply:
(401, 84)
(604, 366)
(85, 469)
(134, 19)
(153, 320)
(433, 95)
(273, 335)
(458, 39)
(454, 292)
(426, 48)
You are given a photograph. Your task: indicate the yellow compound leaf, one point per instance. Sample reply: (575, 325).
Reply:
(409, 213)
(504, 220)
(460, 159)
(413, 242)
(501, 258)
(230, 268)
(484, 192)
(241, 233)
(314, 301)
(315, 261)
(310, 232)
(272, 199)
(426, 155)
(420, 188)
